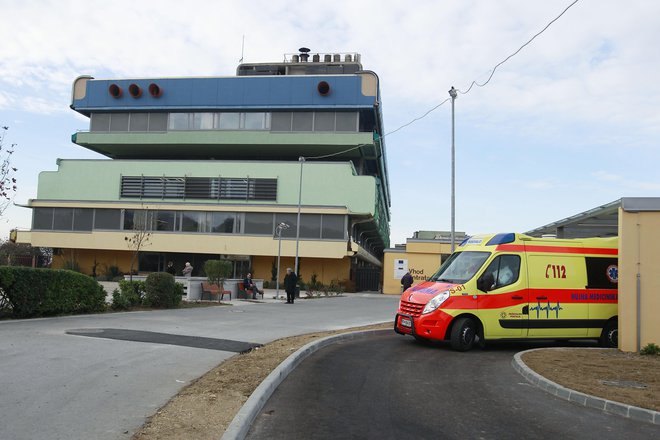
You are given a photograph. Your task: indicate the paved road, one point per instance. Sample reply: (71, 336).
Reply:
(390, 387)
(111, 371)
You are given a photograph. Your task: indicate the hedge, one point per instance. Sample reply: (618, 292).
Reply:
(48, 292)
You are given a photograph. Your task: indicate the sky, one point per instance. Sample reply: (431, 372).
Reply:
(569, 123)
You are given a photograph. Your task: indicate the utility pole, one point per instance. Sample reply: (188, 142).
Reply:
(453, 94)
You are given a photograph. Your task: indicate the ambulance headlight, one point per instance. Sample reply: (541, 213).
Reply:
(436, 302)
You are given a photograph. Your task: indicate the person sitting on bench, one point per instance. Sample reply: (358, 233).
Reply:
(248, 284)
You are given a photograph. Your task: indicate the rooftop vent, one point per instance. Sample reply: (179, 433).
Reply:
(304, 54)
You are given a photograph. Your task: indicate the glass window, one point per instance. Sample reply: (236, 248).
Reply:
(310, 225)
(256, 121)
(303, 121)
(223, 222)
(158, 121)
(347, 121)
(203, 121)
(258, 223)
(83, 219)
(139, 220)
(165, 220)
(333, 227)
(191, 221)
(280, 121)
(107, 219)
(62, 219)
(324, 121)
(460, 267)
(179, 121)
(228, 121)
(139, 122)
(129, 214)
(42, 218)
(100, 122)
(502, 271)
(292, 221)
(119, 122)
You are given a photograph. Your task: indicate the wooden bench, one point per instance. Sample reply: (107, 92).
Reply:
(243, 294)
(214, 290)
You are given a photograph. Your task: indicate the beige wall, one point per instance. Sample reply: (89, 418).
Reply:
(639, 253)
(423, 256)
(233, 244)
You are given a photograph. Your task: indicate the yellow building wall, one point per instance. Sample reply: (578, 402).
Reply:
(639, 253)
(326, 269)
(87, 258)
(423, 257)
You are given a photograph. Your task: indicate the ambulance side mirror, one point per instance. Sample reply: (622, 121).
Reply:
(485, 282)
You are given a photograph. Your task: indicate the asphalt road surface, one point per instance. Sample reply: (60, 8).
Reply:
(390, 387)
(100, 376)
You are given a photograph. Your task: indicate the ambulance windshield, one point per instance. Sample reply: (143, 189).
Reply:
(460, 267)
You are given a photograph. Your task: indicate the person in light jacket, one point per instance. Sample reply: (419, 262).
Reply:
(187, 270)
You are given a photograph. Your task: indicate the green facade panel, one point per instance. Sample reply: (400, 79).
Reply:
(324, 183)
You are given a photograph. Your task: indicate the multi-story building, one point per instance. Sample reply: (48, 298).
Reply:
(211, 167)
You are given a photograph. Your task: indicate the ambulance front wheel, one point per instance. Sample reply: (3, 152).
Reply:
(609, 338)
(463, 334)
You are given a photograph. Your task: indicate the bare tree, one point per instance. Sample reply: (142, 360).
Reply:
(142, 227)
(7, 171)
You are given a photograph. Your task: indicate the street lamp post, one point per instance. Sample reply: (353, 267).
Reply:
(453, 94)
(278, 232)
(302, 161)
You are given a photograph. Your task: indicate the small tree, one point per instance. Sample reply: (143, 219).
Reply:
(7, 179)
(140, 237)
(217, 270)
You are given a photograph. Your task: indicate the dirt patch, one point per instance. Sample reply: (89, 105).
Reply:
(204, 409)
(607, 373)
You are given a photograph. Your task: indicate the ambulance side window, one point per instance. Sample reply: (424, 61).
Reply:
(503, 270)
(602, 272)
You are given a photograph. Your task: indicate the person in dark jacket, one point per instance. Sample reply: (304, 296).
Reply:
(406, 281)
(290, 280)
(170, 269)
(248, 284)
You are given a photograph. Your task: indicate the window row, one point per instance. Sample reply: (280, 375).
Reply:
(214, 188)
(275, 121)
(315, 226)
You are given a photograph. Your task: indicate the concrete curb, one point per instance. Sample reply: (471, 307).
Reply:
(240, 424)
(621, 409)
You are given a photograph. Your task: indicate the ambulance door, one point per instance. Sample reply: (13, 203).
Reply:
(555, 284)
(503, 298)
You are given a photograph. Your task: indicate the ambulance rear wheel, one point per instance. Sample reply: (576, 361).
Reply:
(463, 334)
(609, 338)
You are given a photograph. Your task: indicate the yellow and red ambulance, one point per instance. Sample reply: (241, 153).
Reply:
(512, 286)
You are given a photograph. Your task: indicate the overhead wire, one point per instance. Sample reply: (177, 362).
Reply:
(491, 73)
(474, 83)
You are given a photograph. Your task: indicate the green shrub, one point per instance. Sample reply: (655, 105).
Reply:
(161, 291)
(119, 301)
(46, 292)
(217, 270)
(132, 293)
(650, 349)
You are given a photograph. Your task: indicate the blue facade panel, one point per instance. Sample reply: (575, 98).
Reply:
(227, 93)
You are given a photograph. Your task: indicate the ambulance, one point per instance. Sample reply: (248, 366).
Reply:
(512, 286)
